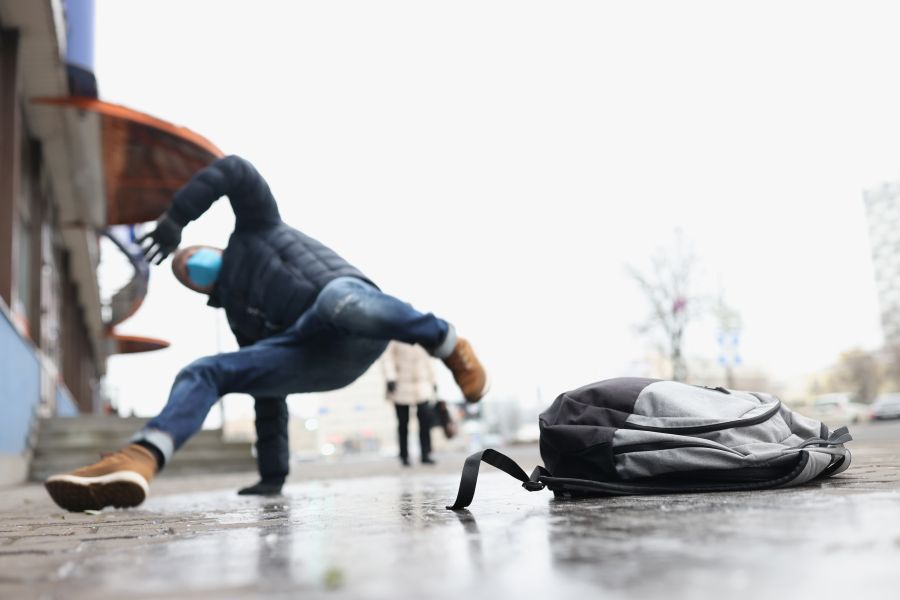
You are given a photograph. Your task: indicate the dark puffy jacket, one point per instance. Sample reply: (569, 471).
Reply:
(271, 273)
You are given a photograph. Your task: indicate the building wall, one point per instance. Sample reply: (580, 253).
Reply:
(351, 420)
(44, 341)
(883, 211)
(20, 386)
(9, 160)
(65, 404)
(79, 370)
(356, 419)
(35, 285)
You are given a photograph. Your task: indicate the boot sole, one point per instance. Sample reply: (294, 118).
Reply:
(484, 390)
(122, 489)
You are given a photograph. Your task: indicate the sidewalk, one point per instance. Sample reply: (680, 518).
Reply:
(389, 536)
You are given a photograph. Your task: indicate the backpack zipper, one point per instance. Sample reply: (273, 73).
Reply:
(651, 446)
(718, 388)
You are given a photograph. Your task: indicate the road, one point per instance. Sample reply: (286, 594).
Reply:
(388, 535)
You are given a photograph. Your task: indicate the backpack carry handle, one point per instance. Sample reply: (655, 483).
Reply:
(470, 475)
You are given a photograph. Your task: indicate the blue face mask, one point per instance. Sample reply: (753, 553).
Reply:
(203, 267)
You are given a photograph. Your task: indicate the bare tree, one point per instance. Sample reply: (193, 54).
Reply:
(667, 289)
(859, 373)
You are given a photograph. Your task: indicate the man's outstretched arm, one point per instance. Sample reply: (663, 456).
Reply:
(232, 176)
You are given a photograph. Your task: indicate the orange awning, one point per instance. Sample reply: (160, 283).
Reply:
(145, 159)
(131, 344)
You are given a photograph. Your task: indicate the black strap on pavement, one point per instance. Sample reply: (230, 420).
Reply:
(501, 461)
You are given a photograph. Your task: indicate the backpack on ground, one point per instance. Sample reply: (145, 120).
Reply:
(645, 436)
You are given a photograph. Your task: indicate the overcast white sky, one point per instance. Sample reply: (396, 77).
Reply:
(499, 162)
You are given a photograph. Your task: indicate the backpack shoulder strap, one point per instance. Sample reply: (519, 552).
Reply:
(501, 461)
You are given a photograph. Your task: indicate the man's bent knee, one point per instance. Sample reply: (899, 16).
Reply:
(207, 367)
(339, 296)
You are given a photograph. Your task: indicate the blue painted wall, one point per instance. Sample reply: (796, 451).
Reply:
(65, 405)
(20, 388)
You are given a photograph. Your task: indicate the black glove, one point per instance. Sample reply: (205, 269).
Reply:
(391, 387)
(163, 240)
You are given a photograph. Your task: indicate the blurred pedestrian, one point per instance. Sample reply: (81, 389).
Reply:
(410, 382)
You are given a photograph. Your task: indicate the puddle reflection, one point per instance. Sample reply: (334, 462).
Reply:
(275, 551)
(474, 541)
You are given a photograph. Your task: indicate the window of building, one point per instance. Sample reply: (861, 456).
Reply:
(26, 265)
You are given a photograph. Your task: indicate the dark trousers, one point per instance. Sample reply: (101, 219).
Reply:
(423, 415)
(273, 453)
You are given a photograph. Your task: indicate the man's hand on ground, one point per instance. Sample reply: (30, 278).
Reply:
(162, 241)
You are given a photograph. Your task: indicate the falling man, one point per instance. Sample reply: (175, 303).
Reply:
(305, 320)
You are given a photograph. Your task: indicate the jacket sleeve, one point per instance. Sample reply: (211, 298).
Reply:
(232, 176)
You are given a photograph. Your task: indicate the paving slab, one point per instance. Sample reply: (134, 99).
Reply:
(388, 535)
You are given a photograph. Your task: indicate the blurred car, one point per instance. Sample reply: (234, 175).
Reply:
(530, 433)
(839, 408)
(886, 406)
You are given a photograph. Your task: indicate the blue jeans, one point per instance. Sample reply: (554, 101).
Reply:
(328, 347)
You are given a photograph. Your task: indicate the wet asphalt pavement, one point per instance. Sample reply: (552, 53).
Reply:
(389, 536)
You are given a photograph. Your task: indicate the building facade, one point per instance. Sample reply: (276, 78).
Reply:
(883, 212)
(52, 353)
(72, 169)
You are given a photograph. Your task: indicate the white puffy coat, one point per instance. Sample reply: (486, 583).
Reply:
(412, 368)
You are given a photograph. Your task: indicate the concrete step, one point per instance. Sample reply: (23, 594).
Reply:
(108, 440)
(89, 455)
(178, 468)
(64, 444)
(91, 423)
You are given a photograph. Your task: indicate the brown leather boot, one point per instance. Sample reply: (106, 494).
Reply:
(120, 479)
(470, 376)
